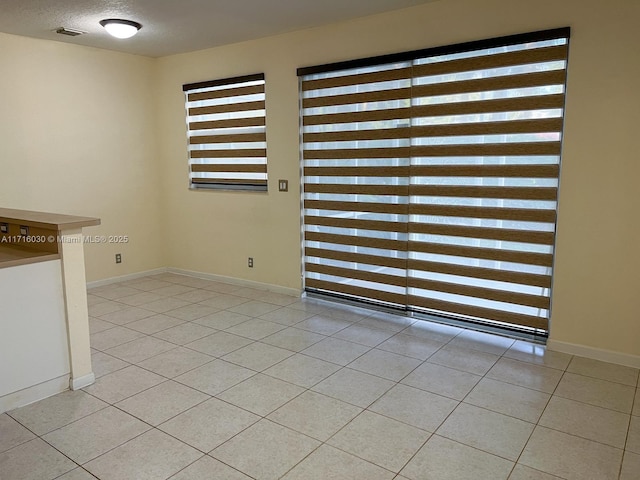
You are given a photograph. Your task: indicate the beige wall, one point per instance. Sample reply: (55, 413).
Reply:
(92, 132)
(77, 136)
(595, 299)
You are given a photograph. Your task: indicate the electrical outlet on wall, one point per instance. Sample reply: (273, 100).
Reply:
(118, 258)
(250, 262)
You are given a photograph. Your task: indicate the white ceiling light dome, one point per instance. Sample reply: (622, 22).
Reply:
(120, 28)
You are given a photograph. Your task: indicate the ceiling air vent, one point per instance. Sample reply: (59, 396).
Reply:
(69, 31)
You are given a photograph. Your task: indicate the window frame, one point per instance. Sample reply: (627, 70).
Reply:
(319, 90)
(233, 109)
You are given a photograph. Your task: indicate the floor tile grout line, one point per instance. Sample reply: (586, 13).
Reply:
(347, 402)
(581, 437)
(256, 422)
(385, 340)
(106, 452)
(74, 469)
(462, 401)
(425, 361)
(51, 446)
(587, 403)
(71, 422)
(599, 378)
(435, 434)
(369, 461)
(151, 428)
(538, 425)
(81, 465)
(114, 371)
(374, 327)
(557, 395)
(21, 443)
(167, 420)
(187, 466)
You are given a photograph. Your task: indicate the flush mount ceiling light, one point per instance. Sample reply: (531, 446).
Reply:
(120, 28)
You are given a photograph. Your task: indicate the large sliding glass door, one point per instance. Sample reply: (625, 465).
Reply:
(430, 181)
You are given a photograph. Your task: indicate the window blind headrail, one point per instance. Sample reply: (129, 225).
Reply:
(222, 82)
(531, 37)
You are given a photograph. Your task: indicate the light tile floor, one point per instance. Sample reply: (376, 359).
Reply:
(206, 380)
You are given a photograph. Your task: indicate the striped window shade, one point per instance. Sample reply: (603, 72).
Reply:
(356, 168)
(430, 178)
(227, 133)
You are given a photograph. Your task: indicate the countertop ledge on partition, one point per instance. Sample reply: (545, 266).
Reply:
(51, 221)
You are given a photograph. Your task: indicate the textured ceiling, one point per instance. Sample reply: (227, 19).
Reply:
(176, 26)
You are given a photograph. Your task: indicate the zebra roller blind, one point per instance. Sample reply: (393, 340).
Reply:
(227, 133)
(431, 177)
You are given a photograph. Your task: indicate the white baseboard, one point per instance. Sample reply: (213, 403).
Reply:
(124, 278)
(237, 281)
(558, 346)
(595, 353)
(34, 393)
(206, 276)
(81, 382)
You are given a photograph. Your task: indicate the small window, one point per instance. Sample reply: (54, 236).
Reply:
(227, 133)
